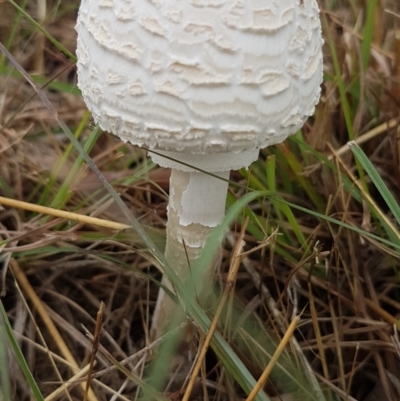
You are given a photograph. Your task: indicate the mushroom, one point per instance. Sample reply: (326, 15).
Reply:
(205, 84)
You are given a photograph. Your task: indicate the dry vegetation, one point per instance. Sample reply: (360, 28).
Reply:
(345, 283)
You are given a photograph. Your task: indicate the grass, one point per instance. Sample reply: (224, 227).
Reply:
(319, 219)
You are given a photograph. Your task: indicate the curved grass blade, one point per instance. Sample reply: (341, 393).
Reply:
(341, 224)
(4, 372)
(376, 179)
(37, 395)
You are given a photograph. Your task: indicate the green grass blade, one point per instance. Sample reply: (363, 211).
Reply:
(348, 184)
(7, 190)
(345, 105)
(354, 191)
(271, 180)
(55, 85)
(328, 219)
(57, 201)
(63, 193)
(282, 208)
(368, 33)
(37, 395)
(253, 228)
(5, 385)
(376, 179)
(339, 80)
(12, 33)
(55, 42)
(297, 169)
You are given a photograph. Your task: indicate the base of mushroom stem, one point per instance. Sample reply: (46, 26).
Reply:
(196, 206)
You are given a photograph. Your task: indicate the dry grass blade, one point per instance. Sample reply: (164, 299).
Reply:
(337, 332)
(40, 39)
(352, 372)
(148, 390)
(142, 353)
(63, 214)
(95, 346)
(386, 316)
(373, 133)
(58, 339)
(318, 337)
(70, 382)
(282, 345)
(395, 340)
(369, 198)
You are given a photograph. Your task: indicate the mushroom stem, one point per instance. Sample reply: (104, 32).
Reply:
(196, 206)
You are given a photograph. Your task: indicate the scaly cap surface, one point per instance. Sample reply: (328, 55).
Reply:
(200, 76)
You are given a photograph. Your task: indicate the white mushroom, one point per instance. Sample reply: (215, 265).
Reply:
(203, 82)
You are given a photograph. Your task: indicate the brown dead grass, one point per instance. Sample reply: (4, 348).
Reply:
(350, 303)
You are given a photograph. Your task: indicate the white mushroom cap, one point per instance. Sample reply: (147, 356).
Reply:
(200, 76)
